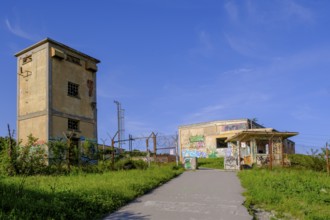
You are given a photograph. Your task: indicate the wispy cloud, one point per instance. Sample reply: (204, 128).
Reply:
(243, 46)
(205, 47)
(138, 127)
(19, 32)
(294, 10)
(208, 110)
(232, 10)
(304, 113)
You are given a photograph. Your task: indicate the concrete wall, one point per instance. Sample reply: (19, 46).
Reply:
(35, 126)
(43, 103)
(64, 71)
(199, 140)
(64, 106)
(32, 94)
(60, 126)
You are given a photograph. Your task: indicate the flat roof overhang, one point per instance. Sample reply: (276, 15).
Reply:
(248, 135)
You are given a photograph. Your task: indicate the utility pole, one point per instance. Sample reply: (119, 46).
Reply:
(120, 122)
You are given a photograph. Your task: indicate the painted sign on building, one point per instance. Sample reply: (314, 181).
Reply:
(196, 138)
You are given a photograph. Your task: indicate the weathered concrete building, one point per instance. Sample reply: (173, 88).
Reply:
(56, 93)
(234, 139)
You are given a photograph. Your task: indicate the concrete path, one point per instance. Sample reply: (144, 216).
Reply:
(202, 194)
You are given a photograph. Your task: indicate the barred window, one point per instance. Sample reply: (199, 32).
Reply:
(73, 124)
(73, 89)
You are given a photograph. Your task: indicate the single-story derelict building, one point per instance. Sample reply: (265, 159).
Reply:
(233, 139)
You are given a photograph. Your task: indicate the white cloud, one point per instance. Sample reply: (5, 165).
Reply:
(208, 110)
(244, 46)
(205, 47)
(138, 127)
(304, 113)
(232, 10)
(295, 10)
(19, 32)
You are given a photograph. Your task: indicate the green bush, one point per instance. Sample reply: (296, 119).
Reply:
(128, 164)
(214, 163)
(310, 162)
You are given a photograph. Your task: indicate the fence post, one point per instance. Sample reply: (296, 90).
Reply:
(327, 158)
(271, 153)
(155, 146)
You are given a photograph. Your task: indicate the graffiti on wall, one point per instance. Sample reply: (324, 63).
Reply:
(230, 163)
(230, 127)
(196, 138)
(193, 153)
(190, 163)
(262, 159)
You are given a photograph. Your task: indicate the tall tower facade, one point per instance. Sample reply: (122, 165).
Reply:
(56, 93)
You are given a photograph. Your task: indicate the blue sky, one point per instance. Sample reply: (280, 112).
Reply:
(175, 62)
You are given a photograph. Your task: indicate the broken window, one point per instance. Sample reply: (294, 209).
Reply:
(221, 143)
(73, 89)
(90, 85)
(27, 59)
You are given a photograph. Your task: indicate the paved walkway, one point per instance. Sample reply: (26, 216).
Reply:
(202, 194)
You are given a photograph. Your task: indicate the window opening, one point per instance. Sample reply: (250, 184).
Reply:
(73, 124)
(73, 89)
(27, 59)
(221, 143)
(73, 59)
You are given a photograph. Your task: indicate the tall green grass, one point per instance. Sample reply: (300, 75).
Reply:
(80, 196)
(214, 163)
(303, 194)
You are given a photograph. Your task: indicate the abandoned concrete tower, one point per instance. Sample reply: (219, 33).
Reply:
(56, 89)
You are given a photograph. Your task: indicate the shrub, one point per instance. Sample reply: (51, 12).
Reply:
(127, 164)
(215, 163)
(310, 162)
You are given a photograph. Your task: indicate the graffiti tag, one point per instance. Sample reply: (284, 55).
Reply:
(230, 163)
(194, 153)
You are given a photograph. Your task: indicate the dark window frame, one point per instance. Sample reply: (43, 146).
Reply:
(73, 89)
(221, 143)
(27, 59)
(73, 59)
(73, 124)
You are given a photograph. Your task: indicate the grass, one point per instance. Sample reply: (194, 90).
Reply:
(214, 163)
(80, 196)
(300, 194)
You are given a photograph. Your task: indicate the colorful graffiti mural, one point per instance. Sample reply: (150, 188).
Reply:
(196, 138)
(262, 159)
(230, 163)
(193, 153)
(190, 163)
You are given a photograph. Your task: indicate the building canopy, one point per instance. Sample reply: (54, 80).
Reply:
(264, 133)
